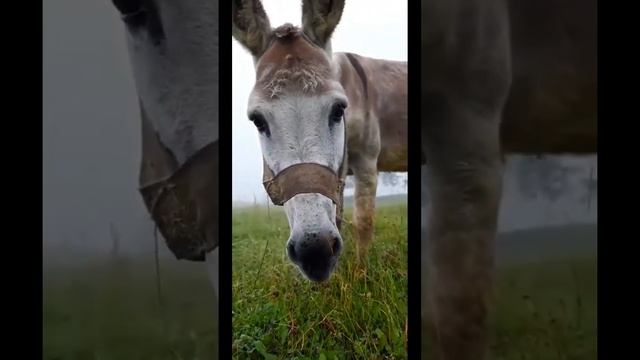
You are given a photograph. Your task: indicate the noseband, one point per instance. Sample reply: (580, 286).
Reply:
(175, 211)
(302, 178)
(180, 199)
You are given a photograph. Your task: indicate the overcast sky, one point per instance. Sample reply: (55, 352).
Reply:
(368, 27)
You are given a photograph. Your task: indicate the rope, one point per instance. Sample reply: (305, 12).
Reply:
(264, 253)
(157, 263)
(590, 194)
(158, 279)
(268, 208)
(157, 258)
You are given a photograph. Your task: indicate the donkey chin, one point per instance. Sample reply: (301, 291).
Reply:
(315, 243)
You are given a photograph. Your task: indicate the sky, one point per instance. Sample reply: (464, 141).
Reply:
(371, 28)
(91, 128)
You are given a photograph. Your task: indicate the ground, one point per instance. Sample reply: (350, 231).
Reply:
(545, 303)
(546, 311)
(109, 309)
(356, 314)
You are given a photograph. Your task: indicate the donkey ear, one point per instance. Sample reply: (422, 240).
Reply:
(250, 25)
(320, 18)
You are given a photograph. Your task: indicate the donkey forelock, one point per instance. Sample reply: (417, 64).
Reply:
(293, 64)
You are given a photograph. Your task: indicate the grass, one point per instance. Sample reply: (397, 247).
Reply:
(104, 309)
(277, 314)
(110, 310)
(545, 311)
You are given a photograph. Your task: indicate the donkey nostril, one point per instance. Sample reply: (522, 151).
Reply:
(335, 245)
(292, 251)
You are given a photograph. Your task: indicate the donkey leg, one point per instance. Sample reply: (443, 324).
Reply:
(466, 78)
(340, 210)
(365, 172)
(464, 181)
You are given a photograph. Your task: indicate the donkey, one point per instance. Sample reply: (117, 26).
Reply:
(173, 48)
(498, 77)
(321, 115)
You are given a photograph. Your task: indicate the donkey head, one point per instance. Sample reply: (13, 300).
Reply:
(173, 49)
(297, 105)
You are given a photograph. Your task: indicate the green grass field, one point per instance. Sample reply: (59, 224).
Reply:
(546, 311)
(546, 294)
(110, 311)
(101, 309)
(277, 314)
(545, 298)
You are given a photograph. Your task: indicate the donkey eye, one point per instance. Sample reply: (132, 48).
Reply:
(136, 19)
(337, 113)
(133, 12)
(139, 15)
(127, 6)
(260, 123)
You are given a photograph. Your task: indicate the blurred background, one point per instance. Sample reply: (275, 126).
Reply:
(91, 132)
(101, 297)
(545, 289)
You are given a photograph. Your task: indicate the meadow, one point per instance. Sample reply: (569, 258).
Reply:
(103, 308)
(109, 309)
(358, 313)
(546, 311)
(545, 295)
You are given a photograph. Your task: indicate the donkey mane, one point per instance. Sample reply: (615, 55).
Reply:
(286, 31)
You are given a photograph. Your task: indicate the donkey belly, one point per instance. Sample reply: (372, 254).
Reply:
(391, 114)
(550, 121)
(393, 158)
(552, 101)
